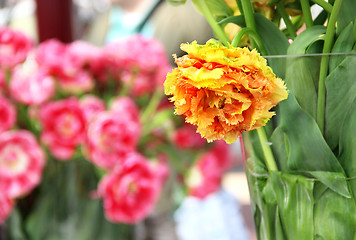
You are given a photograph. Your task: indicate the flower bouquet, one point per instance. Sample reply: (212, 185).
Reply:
(301, 163)
(88, 140)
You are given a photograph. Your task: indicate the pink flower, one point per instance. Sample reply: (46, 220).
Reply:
(110, 138)
(205, 177)
(89, 57)
(77, 83)
(64, 127)
(91, 106)
(83, 53)
(21, 163)
(140, 60)
(6, 206)
(14, 47)
(125, 106)
(52, 56)
(7, 113)
(129, 192)
(187, 137)
(59, 61)
(31, 85)
(222, 150)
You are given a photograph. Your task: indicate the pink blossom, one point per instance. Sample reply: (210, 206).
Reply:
(83, 53)
(62, 61)
(52, 55)
(90, 57)
(6, 206)
(79, 82)
(14, 47)
(91, 106)
(140, 60)
(222, 150)
(205, 177)
(187, 137)
(110, 138)
(125, 106)
(21, 163)
(129, 192)
(31, 85)
(64, 127)
(7, 114)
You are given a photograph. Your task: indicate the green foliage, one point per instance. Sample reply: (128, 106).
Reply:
(294, 207)
(312, 195)
(218, 8)
(176, 2)
(346, 15)
(302, 72)
(341, 89)
(347, 145)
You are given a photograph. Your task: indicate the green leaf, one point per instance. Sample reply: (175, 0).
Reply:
(347, 148)
(308, 150)
(280, 148)
(321, 18)
(346, 15)
(15, 228)
(302, 72)
(341, 92)
(295, 203)
(335, 181)
(344, 43)
(238, 20)
(263, 207)
(176, 2)
(219, 8)
(334, 217)
(254, 150)
(276, 43)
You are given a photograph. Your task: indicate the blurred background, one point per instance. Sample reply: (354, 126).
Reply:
(100, 22)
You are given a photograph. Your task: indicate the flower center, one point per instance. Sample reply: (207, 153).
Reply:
(132, 187)
(105, 143)
(13, 160)
(68, 125)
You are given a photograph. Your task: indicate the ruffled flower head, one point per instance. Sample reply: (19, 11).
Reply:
(224, 91)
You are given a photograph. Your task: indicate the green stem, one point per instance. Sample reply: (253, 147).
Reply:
(250, 23)
(239, 5)
(290, 27)
(267, 152)
(249, 18)
(324, 65)
(150, 110)
(203, 7)
(306, 13)
(253, 34)
(354, 30)
(322, 3)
